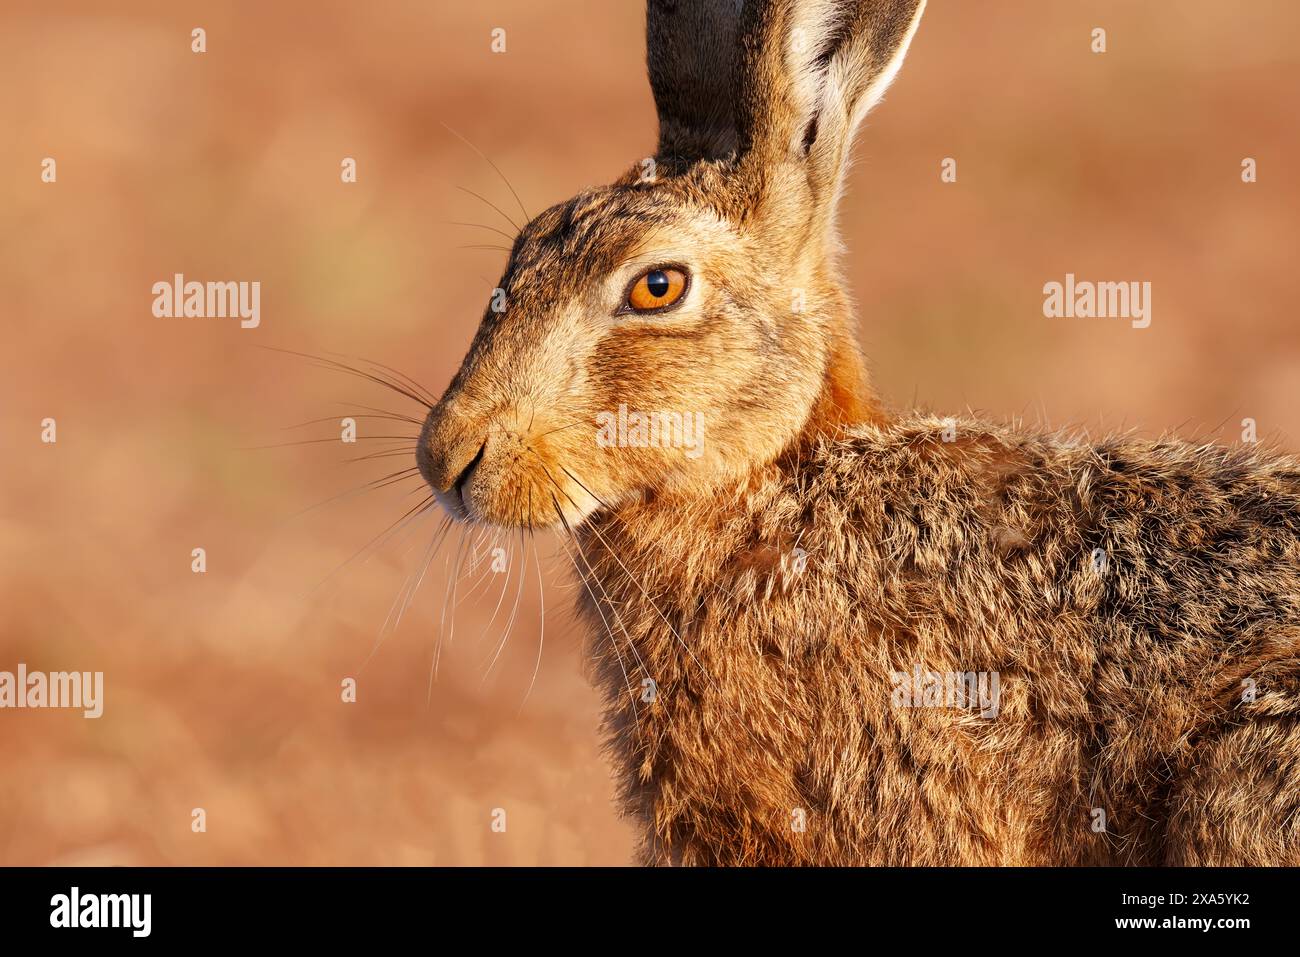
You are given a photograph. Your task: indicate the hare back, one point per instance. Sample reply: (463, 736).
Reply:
(938, 641)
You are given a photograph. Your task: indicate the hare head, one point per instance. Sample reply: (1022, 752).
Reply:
(690, 314)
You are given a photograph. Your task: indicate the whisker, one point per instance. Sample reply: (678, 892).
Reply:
(434, 545)
(614, 555)
(359, 438)
(382, 454)
(407, 590)
(721, 588)
(541, 623)
(494, 166)
(390, 479)
(575, 478)
(484, 577)
(505, 586)
(425, 393)
(337, 366)
(451, 591)
(613, 641)
(334, 418)
(599, 584)
(632, 578)
(571, 425)
(378, 540)
(510, 622)
(490, 203)
(395, 415)
(500, 232)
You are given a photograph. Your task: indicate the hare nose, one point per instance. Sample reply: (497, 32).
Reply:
(448, 453)
(453, 446)
(463, 475)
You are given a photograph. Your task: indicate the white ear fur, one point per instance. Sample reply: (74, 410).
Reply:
(832, 70)
(875, 90)
(812, 30)
(838, 57)
(775, 79)
(845, 103)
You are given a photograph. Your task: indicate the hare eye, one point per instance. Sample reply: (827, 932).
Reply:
(657, 289)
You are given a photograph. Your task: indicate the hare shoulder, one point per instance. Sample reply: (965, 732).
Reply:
(1124, 594)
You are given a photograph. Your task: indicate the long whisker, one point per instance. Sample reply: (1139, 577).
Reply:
(596, 604)
(450, 596)
(407, 592)
(632, 578)
(606, 505)
(337, 366)
(334, 418)
(434, 544)
(404, 383)
(391, 479)
(426, 395)
(449, 609)
(541, 624)
(599, 584)
(486, 574)
(505, 586)
(494, 166)
(500, 232)
(571, 425)
(575, 478)
(510, 622)
(475, 546)
(395, 415)
(383, 454)
(484, 199)
(378, 540)
(333, 438)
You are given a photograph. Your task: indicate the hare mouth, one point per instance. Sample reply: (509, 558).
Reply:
(458, 486)
(455, 500)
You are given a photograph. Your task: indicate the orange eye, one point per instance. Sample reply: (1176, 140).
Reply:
(657, 289)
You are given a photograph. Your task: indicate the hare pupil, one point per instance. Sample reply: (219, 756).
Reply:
(657, 283)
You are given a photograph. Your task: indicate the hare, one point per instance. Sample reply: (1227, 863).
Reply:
(830, 632)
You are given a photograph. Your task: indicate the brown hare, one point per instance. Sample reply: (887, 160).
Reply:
(828, 632)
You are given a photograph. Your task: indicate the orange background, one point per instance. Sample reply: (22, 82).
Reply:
(222, 689)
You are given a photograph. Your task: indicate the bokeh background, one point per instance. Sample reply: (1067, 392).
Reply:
(223, 689)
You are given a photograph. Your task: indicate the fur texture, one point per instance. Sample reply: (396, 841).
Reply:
(1121, 680)
(752, 607)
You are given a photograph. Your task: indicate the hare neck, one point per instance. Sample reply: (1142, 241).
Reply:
(846, 398)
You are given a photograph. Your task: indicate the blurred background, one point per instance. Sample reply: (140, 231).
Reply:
(223, 688)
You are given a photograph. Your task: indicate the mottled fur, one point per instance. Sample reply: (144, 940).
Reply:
(1121, 681)
(749, 606)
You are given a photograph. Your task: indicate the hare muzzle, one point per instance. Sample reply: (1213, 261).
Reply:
(500, 468)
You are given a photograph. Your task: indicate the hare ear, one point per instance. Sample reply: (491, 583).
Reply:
(691, 51)
(809, 70)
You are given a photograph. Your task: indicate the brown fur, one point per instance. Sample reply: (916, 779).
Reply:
(748, 607)
(1121, 687)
